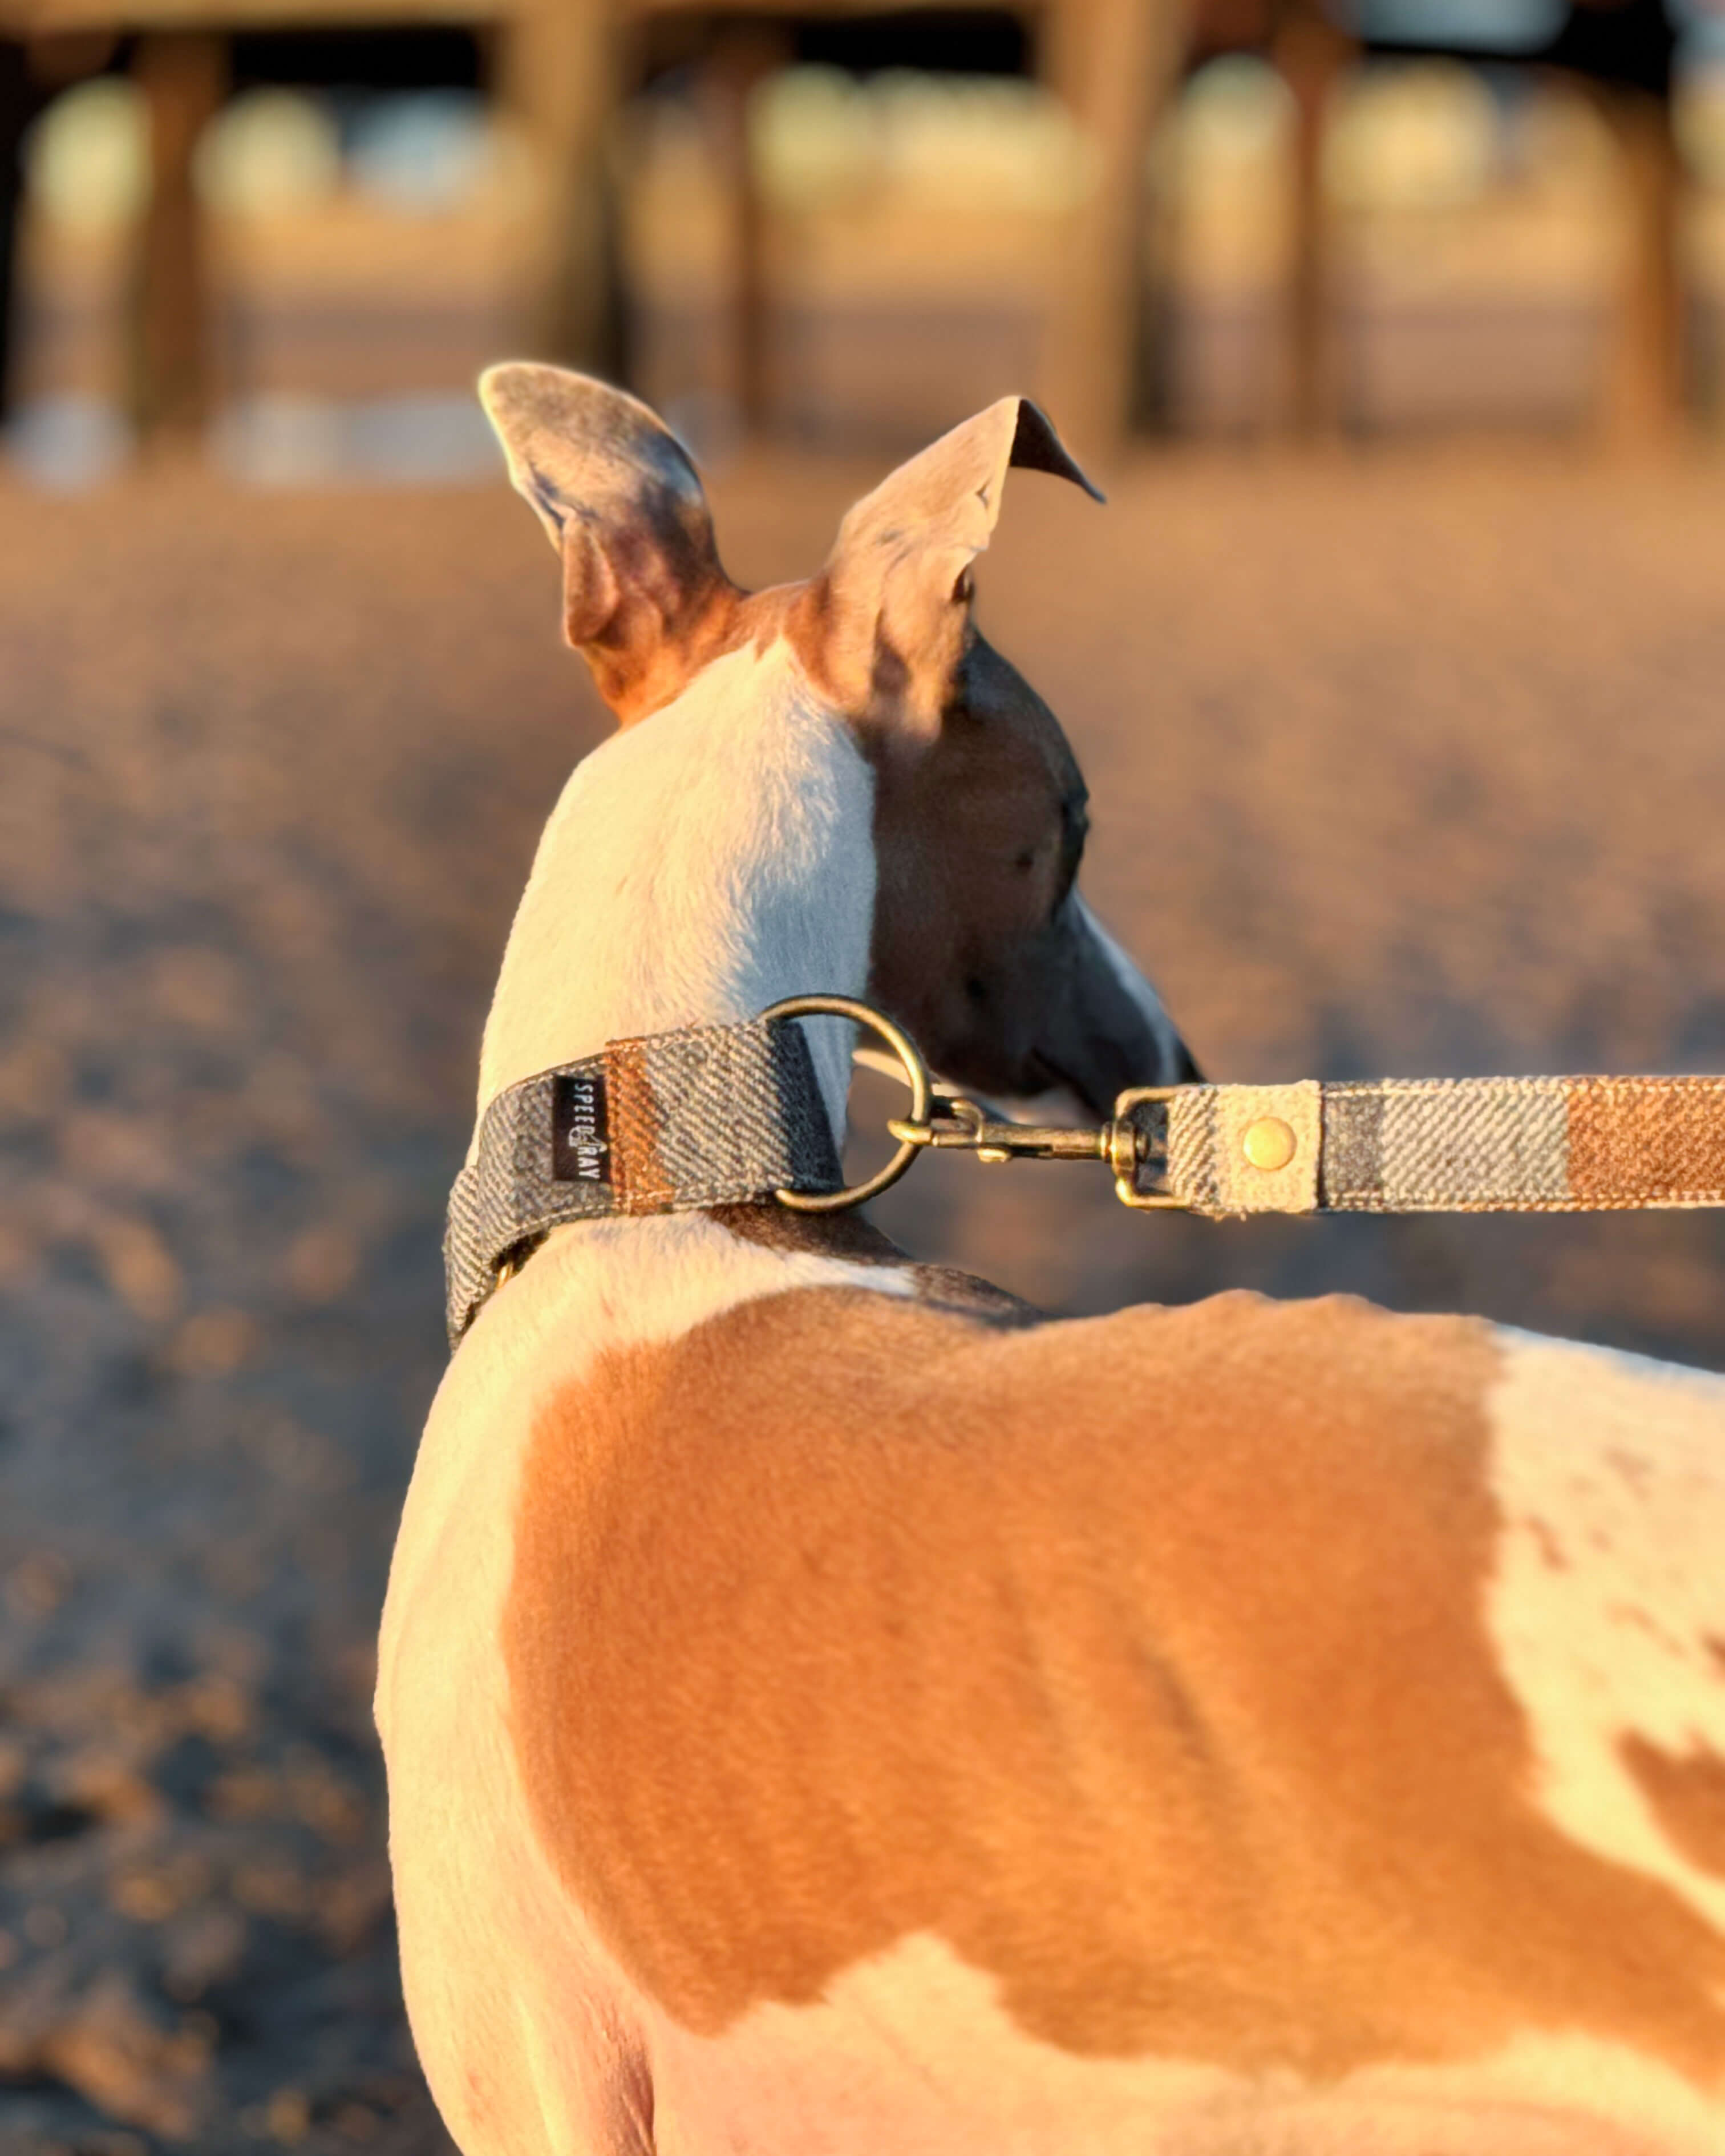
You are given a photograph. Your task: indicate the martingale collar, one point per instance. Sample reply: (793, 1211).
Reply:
(716, 1115)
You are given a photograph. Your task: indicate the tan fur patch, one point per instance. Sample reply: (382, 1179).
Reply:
(1688, 1796)
(1142, 1661)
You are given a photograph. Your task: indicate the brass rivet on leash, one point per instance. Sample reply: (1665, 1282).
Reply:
(1270, 1144)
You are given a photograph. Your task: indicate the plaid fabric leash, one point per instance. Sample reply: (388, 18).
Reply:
(1448, 1145)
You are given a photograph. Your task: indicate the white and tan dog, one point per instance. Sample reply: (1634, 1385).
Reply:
(827, 1711)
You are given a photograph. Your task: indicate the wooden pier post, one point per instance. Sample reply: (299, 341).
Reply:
(745, 57)
(1116, 64)
(1310, 54)
(1644, 401)
(17, 105)
(183, 76)
(560, 77)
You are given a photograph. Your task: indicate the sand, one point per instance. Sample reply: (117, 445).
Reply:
(1407, 763)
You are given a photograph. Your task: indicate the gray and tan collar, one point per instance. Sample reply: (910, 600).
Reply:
(707, 1115)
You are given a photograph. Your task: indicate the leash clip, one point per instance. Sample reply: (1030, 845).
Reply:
(1123, 1142)
(941, 1121)
(1129, 1148)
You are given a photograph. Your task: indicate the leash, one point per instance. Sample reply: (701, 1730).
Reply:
(726, 1115)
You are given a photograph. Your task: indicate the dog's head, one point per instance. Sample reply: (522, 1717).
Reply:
(982, 946)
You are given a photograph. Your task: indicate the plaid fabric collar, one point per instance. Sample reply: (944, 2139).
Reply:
(709, 1116)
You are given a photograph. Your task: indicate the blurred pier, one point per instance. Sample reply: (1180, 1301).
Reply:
(813, 219)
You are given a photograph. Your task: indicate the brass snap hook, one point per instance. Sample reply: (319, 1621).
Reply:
(967, 1126)
(1124, 1151)
(916, 1075)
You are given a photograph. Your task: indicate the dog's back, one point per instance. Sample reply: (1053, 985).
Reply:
(1248, 1728)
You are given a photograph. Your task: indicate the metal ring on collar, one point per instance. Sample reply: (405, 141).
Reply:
(916, 1075)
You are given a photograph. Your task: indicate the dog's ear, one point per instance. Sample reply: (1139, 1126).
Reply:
(896, 591)
(621, 501)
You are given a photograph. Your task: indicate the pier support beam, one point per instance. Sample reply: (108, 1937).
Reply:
(1117, 65)
(183, 76)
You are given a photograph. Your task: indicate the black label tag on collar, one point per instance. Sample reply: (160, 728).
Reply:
(580, 1133)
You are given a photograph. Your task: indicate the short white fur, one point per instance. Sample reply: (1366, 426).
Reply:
(527, 2031)
(699, 866)
(1610, 1586)
(913, 2051)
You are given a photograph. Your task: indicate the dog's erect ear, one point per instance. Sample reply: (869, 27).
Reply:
(617, 494)
(898, 580)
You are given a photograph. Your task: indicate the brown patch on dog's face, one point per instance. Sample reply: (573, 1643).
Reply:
(980, 948)
(980, 945)
(1141, 1661)
(977, 942)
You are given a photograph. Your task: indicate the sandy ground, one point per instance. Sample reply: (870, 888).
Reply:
(1408, 765)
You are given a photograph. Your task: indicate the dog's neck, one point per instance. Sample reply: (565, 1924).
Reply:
(698, 867)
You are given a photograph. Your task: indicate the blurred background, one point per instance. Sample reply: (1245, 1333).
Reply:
(1395, 329)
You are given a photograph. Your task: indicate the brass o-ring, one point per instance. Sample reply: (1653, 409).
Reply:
(916, 1073)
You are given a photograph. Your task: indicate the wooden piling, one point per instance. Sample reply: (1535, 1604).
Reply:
(1311, 54)
(183, 77)
(745, 57)
(17, 104)
(561, 78)
(1643, 397)
(1117, 65)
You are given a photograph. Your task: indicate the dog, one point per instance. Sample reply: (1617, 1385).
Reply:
(828, 1710)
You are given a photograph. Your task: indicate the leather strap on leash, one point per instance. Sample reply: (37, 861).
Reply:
(733, 1114)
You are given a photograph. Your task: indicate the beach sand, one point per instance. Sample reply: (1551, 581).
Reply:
(1408, 762)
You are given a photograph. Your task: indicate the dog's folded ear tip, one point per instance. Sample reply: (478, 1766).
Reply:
(1036, 446)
